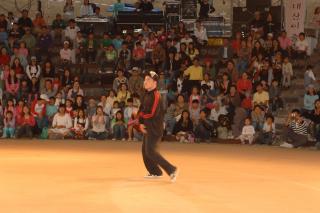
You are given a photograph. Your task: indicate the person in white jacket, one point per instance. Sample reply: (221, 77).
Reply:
(33, 69)
(200, 33)
(247, 132)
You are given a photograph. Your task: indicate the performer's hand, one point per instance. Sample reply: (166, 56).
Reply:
(143, 128)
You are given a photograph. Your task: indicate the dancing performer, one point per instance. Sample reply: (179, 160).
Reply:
(151, 115)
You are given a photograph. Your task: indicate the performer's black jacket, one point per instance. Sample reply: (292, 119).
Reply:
(151, 112)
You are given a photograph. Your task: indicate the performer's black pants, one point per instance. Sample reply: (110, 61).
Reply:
(152, 158)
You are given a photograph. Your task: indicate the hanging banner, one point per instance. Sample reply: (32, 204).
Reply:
(295, 13)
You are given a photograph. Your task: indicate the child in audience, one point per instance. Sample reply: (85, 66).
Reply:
(268, 132)
(9, 125)
(119, 127)
(247, 132)
(81, 125)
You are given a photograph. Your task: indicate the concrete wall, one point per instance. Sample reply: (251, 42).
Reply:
(51, 7)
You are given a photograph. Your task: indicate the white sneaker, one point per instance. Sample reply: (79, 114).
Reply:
(123, 139)
(286, 145)
(114, 139)
(150, 176)
(174, 175)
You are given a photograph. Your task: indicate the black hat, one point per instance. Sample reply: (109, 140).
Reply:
(153, 75)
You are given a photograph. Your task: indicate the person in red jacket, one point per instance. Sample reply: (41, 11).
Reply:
(25, 124)
(244, 84)
(4, 57)
(151, 114)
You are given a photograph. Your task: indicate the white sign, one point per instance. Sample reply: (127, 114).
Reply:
(295, 12)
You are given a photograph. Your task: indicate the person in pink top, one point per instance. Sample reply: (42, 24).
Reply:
(25, 124)
(23, 49)
(12, 84)
(285, 43)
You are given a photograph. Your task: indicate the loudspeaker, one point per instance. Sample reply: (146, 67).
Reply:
(254, 5)
(189, 9)
(241, 14)
(173, 8)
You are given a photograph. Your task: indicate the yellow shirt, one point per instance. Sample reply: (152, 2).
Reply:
(261, 98)
(195, 73)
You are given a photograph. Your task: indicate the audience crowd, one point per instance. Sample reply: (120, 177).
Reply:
(234, 95)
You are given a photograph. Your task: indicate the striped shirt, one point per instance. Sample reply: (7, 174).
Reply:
(299, 128)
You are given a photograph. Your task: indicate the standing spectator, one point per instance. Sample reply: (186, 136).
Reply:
(195, 74)
(287, 72)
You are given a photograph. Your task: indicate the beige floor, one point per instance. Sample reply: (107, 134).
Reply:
(107, 177)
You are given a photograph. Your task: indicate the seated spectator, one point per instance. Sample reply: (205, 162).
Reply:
(120, 79)
(86, 9)
(301, 47)
(25, 124)
(51, 109)
(285, 43)
(38, 111)
(110, 57)
(124, 57)
(119, 127)
(194, 96)
(49, 90)
(81, 125)
(29, 39)
(296, 130)
(79, 103)
(75, 91)
(66, 54)
(58, 25)
(18, 68)
(258, 118)
(9, 125)
(71, 31)
(4, 57)
(315, 118)
(194, 111)
(23, 93)
(44, 44)
(38, 22)
(123, 95)
(276, 101)
(69, 108)
(33, 69)
(138, 55)
(135, 82)
(12, 85)
(267, 135)
(232, 72)
(248, 132)
(91, 45)
(184, 127)
(309, 77)
(244, 85)
(34, 89)
(204, 128)
(192, 51)
(61, 124)
(217, 111)
(261, 97)
(200, 34)
(98, 122)
(309, 99)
